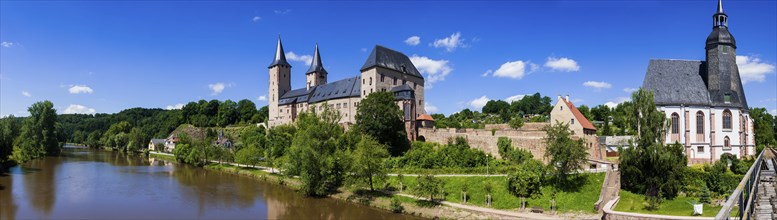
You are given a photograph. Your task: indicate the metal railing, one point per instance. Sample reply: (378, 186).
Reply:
(743, 196)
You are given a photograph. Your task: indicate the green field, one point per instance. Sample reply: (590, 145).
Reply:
(680, 206)
(580, 201)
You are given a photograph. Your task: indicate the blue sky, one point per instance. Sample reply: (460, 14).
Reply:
(104, 57)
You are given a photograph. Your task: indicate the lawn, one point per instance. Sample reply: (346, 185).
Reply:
(581, 200)
(680, 206)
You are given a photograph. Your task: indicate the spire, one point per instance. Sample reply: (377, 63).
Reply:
(280, 56)
(316, 65)
(720, 19)
(720, 6)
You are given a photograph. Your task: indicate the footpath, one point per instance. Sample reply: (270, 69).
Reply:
(501, 214)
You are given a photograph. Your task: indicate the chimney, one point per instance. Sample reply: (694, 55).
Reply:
(567, 98)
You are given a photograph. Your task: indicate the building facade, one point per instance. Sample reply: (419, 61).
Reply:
(704, 100)
(385, 70)
(565, 112)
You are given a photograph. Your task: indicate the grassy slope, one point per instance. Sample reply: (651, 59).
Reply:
(581, 201)
(630, 202)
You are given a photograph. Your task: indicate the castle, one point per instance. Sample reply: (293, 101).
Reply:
(384, 70)
(704, 99)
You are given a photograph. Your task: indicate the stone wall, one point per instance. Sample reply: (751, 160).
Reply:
(529, 137)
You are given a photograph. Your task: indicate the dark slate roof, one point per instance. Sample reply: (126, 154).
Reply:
(343, 88)
(280, 56)
(403, 92)
(295, 96)
(677, 82)
(316, 65)
(720, 35)
(390, 59)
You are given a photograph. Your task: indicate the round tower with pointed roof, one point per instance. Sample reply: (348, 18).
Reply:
(280, 82)
(722, 75)
(316, 74)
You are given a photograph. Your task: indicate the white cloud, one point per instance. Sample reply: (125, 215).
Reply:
(435, 70)
(76, 89)
(26, 94)
(478, 103)
(514, 98)
(282, 12)
(614, 103)
(412, 41)
(430, 109)
(773, 112)
(176, 106)
(515, 69)
(79, 109)
(630, 90)
(262, 98)
(597, 85)
(488, 72)
(562, 64)
(7, 44)
(256, 19)
(218, 87)
(751, 69)
(449, 43)
(306, 59)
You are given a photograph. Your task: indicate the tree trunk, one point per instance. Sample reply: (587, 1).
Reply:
(371, 189)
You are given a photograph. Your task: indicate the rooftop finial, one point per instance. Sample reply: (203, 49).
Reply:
(280, 56)
(720, 6)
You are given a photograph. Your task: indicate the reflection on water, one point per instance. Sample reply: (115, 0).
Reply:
(109, 185)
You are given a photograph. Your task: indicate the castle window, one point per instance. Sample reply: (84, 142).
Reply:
(395, 81)
(404, 81)
(727, 119)
(370, 80)
(675, 123)
(725, 50)
(382, 77)
(362, 81)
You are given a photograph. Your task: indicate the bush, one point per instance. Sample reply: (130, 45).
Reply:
(516, 122)
(396, 205)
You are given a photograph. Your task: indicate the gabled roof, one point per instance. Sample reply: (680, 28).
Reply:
(425, 117)
(677, 82)
(390, 59)
(579, 116)
(316, 66)
(348, 87)
(158, 141)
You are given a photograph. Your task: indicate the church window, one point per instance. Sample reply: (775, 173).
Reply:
(395, 81)
(407, 111)
(699, 122)
(382, 77)
(700, 149)
(726, 143)
(675, 123)
(727, 119)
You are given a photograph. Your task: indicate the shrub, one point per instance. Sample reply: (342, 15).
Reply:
(396, 205)
(516, 122)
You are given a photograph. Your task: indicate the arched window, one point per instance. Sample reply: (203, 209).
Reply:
(699, 122)
(727, 119)
(726, 143)
(675, 123)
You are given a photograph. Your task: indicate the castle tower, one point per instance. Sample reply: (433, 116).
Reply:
(280, 82)
(316, 75)
(722, 75)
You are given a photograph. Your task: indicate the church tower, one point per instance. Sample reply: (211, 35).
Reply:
(280, 82)
(722, 75)
(316, 75)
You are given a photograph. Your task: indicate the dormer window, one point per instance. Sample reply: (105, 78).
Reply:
(404, 70)
(727, 98)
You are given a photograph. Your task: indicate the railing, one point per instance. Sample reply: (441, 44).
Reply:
(744, 194)
(598, 204)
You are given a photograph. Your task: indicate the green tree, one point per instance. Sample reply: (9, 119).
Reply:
(246, 110)
(278, 140)
(136, 140)
(39, 134)
(586, 111)
(516, 122)
(313, 154)
(651, 167)
(526, 181)
(763, 126)
(428, 185)
(227, 113)
(566, 155)
(9, 130)
(379, 116)
(368, 161)
(250, 155)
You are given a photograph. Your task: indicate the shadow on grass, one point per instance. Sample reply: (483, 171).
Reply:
(573, 183)
(426, 203)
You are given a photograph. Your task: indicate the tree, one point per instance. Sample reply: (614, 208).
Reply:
(586, 111)
(136, 140)
(379, 116)
(261, 115)
(428, 185)
(246, 109)
(278, 140)
(650, 167)
(516, 122)
(526, 181)
(250, 155)
(39, 135)
(9, 130)
(368, 161)
(227, 113)
(513, 155)
(566, 155)
(313, 153)
(763, 127)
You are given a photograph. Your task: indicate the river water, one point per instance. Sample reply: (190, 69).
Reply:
(86, 184)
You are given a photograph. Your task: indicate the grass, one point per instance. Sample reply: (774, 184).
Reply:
(631, 202)
(162, 156)
(579, 201)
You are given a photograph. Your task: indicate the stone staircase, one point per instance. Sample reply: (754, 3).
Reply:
(611, 188)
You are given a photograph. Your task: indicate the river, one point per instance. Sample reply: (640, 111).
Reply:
(91, 184)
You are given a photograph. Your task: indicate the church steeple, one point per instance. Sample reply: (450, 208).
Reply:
(280, 56)
(722, 75)
(720, 19)
(316, 75)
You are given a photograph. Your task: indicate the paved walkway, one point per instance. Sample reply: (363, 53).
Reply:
(766, 199)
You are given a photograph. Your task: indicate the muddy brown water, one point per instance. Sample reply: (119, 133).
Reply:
(88, 184)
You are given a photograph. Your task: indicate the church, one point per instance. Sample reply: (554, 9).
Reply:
(385, 70)
(704, 100)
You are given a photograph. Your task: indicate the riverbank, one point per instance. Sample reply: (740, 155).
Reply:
(412, 205)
